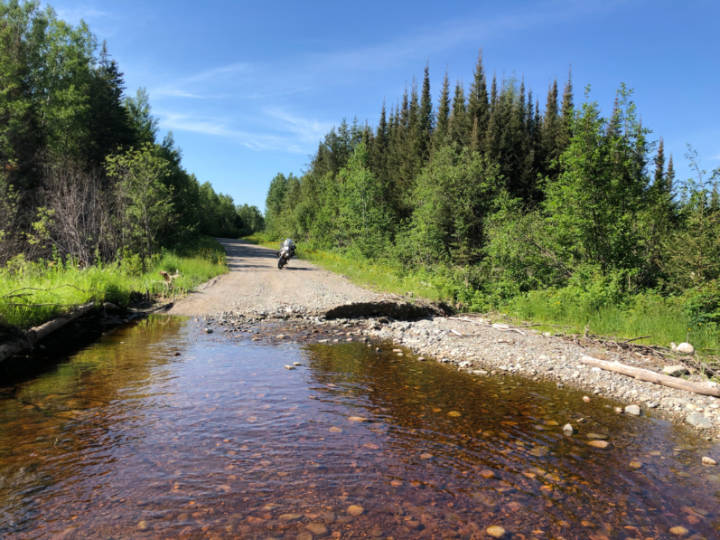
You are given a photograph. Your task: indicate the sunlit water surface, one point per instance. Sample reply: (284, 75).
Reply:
(161, 430)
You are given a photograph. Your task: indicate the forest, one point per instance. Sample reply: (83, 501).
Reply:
(550, 213)
(82, 174)
(92, 205)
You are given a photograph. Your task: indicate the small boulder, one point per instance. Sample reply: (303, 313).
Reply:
(685, 348)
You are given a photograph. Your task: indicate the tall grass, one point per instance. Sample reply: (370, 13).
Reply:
(34, 292)
(656, 319)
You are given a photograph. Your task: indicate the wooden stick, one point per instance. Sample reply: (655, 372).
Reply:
(635, 339)
(650, 376)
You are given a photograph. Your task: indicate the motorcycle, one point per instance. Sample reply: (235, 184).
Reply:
(287, 251)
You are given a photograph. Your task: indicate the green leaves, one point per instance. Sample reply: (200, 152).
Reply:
(145, 202)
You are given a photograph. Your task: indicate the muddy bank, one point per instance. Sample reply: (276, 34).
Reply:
(477, 345)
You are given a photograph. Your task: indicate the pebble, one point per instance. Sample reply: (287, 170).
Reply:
(317, 528)
(142, 525)
(586, 399)
(496, 531)
(632, 410)
(355, 510)
(288, 366)
(598, 443)
(708, 461)
(679, 530)
(208, 330)
(568, 429)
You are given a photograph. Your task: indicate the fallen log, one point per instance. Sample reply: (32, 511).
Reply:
(37, 333)
(642, 374)
(21, 342)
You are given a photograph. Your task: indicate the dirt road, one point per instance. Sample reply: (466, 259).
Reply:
(254, 283)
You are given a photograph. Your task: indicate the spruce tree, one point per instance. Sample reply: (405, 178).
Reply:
(426, 119)
(458, 125)
(659, 175)
(566, 114)
(478, 106)
(550, 133)
(440, 134)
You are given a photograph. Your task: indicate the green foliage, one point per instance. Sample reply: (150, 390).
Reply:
(453, 195)
(145, 200)
(362, 212)
(494, 203)
(62, 113)
(33, 292)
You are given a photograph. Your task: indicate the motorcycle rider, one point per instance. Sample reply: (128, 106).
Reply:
(288, 243)
(287, 251)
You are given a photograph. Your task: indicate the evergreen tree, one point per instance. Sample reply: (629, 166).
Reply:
(478, 106)
(426, 119)
(440, 135)
(458, 125)
(567, 109)
(550, 133)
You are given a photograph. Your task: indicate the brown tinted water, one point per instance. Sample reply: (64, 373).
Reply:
(162, 431)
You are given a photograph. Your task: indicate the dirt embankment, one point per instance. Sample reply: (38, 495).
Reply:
(255, 291)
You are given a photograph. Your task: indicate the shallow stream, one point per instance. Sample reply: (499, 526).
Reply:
(162, 430)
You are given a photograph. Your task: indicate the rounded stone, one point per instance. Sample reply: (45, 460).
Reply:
(317, 528)
(355, 510)
(496, 531)
(632, 410)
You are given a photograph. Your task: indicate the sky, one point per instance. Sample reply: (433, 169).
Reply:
(249, 89)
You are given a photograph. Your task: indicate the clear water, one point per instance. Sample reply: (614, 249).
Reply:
(161, 430)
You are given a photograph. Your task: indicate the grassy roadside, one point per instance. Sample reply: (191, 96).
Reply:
(656, 319)
(34, 292)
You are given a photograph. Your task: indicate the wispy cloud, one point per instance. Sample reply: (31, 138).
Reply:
(287, 135)
(306, 129)
(87, 14)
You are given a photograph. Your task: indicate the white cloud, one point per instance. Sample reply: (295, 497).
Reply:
(307, 129)
(75, 15)
(284, 136)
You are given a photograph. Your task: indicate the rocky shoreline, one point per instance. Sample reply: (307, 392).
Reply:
(477, 345)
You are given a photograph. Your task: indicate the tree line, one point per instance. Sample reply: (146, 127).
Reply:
(82, 173)
(507, 197)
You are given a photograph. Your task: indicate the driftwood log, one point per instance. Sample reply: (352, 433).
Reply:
(653, 377)
(37, 333)
(25, 341)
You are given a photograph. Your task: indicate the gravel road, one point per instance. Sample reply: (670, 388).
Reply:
(255, 292)
(254, 284)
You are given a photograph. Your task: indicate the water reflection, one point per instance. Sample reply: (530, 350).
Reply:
(163, 431)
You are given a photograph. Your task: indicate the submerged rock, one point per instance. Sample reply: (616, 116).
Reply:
(698, 420)
(633, 410)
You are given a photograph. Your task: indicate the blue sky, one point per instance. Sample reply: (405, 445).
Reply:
(249, 88)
